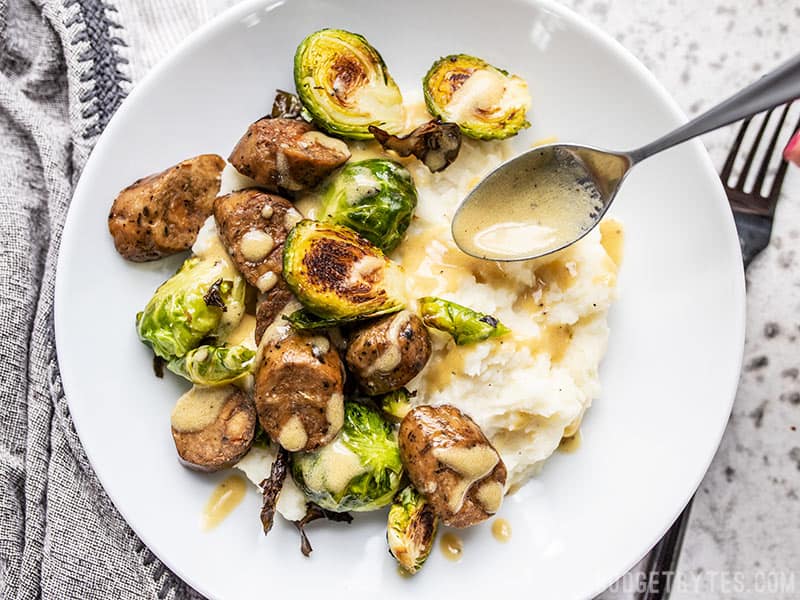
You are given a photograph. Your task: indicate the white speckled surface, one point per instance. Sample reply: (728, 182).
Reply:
(743, 540)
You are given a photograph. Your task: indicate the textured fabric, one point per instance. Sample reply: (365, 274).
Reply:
(64, 70)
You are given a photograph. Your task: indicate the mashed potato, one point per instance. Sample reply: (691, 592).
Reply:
(530, 388)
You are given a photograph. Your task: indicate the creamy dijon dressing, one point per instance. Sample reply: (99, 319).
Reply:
(293, 435)
(472, 464)
(486, 93)
(537, 208)
(256, 245)
(338, 465)
(451, 546)
(501, 530)
(570, 444)
(309, 138)
(225, 497)
(199, 407)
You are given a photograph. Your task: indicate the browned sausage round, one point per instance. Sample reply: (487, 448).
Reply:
(213, 427)
(299, 391)
(450, 461)
(388, 353)
(287, 155)
(161, 214)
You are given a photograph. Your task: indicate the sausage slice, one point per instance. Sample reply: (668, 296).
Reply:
(253, 227)
(161, 214)
(213, 427)
(299, 391)
(287, 155)
(388, 353)
(450, 461)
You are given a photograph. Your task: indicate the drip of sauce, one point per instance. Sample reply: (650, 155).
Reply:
(267, 210)
(501, 530)
(612, 237)
(570, 444)
(338, 465)
(243, 333)
(473, 464)
(334, 412)
(438, 375)
(293, 435)
(291, 218)
(225, 497)
(451, 546)
(509, 216)
(310, 138)
(256, 245)
(490, 496)
(198, 408)
(266, 282)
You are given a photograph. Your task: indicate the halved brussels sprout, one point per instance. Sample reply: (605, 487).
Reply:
(411, 529)
(375, 198)
(337, 274)
(213, 365)
(204, 297)
(344, 84)
(359, 471)
(395, 405)
(486, 102)
(467, 326)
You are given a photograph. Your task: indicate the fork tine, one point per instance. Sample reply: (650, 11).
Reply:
(762, 171)
(752, 154)
(725, 174)
(775, 190)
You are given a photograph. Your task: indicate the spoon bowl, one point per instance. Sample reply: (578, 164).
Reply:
(559, 192)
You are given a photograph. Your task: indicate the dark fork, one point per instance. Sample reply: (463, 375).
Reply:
(753, 214)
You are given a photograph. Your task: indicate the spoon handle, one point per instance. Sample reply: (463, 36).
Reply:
(776, 87)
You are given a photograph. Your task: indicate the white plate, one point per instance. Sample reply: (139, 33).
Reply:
(672, 364)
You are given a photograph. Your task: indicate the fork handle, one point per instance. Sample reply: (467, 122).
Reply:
(774, 88)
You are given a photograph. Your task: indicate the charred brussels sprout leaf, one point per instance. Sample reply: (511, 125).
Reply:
(178, 316)
(337, 274)
(359, 471)
(486, 102)
(411, 529)
(435, 143)
(303, 320)
(395, 405)
(375, 198)
(288, 106)
(465, 325)
(344, 84)
(271, 488)
(211, 365)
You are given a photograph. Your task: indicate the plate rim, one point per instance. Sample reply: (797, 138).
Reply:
(581, 24)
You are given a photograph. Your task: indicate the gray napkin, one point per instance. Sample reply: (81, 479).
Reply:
(64, 70)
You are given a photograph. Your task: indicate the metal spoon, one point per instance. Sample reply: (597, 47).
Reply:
(550, 197)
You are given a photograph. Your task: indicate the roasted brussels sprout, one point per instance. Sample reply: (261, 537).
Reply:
(344, 84)
(395, 405)
(359, 471)
(204, 298)
(411, 529)
(486, 102)
(467, 326)
(435, 143)
(213, 365)
(337, 274)
(375, 198)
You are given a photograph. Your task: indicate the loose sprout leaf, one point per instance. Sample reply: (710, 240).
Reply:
(158, 366)
(213, 296)
(314, 512)
(411, 529)
(304, 320)
(435, 143)
(395, 405)
(213, 365)
(465, 325)
(271, 488)
(287, 106)
(345, 85)
(375, 198)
